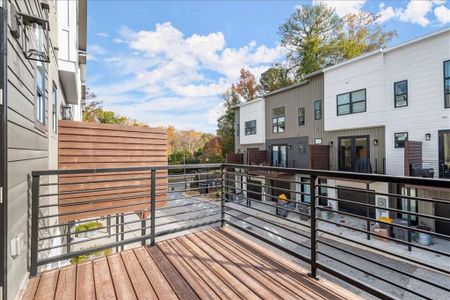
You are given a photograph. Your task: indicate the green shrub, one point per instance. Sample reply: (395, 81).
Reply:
(87, 226)
(83, 258)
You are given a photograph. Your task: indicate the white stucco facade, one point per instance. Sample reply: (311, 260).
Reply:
(252, 111)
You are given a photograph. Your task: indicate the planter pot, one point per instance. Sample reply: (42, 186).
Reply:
(281, 209)
(382, 232)
(325, 214)
(424, 238)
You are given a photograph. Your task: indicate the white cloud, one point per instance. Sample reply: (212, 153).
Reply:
(442, 14)
(178, 78)
(415, 12)
(343, 7)
(103, 34)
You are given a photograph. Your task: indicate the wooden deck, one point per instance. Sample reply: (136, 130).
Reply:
(211, 264)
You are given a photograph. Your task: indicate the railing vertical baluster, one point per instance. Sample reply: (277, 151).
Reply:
(368, 210)
(313, 204)
(409, 221)
(143, 231)
(153, 206)
(122, 229)
(222, 199)
(69, 237)
(117, 231)
(34, 224)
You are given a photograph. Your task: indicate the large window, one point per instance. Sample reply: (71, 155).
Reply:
(278, 120)
(351, 103)
(447, 84)
(354, 155)
(400, 138)
(317, 109)
(401, 93)
(54, 109)
(40, 95)
(250, 127)
(408, 204)
(238, 130)
(301, 116)
(279, 156)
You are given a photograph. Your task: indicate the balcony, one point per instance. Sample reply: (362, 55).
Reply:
(197, 231)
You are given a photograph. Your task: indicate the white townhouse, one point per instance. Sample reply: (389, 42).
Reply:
(406, 89)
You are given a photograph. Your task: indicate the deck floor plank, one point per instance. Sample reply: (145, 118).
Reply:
(158, 281)
(104, 288)
(196, 282)
(176, 281)
(47, 285)
(241, 289)
(250, 269)
(208, 264)
(66, 283)
(274, 270)
(217, 284)
(138, 279)
(85, 282)
(122, 284)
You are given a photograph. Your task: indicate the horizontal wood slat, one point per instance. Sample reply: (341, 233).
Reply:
(95, 146)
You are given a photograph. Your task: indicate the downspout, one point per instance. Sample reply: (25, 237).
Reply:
(3, 150)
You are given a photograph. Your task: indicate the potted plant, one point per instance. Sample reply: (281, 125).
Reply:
(88, 229)
(424, 238)
(282, 205)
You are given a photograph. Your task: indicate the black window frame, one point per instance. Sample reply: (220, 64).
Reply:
(446, 89)
(318, 110)
(396, 146)
(301, 122)
(279, 155)
(400, 94)
(351, 103)
(54, 108)
(249, 130)
(276, 123)
(40, 101)
(353, 151)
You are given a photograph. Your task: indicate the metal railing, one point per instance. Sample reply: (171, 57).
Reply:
(365, 229)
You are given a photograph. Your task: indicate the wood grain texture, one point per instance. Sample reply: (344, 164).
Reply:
(94, 146)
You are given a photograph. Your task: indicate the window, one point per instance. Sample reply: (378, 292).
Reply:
(250, 127)
(279, 156)
(40, 95)
(401, 93)
(318, 141)
(351, 103)
(317, 109)
(301, 116)
(354, 154)
(306, 191)
(238, 130)
(323, 191)
(400, 139)
(278, 120)
(447, 84)
(54, 109)
(408, 205)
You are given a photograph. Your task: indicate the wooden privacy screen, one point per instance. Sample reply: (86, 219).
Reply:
(413, 155)
(319, 157)
(93, 146)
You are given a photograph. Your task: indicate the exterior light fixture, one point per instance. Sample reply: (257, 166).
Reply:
(290, 147)
(428, 136)
(35, 38)
(375, 142)
(331, 143)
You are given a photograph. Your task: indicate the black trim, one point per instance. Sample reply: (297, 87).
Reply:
(249, 131)
(279, 154)
(401, 94)
(350, 102)
(396, 146)
(446, 78)
(353, 151)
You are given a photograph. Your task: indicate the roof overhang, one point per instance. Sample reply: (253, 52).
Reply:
(68, 76)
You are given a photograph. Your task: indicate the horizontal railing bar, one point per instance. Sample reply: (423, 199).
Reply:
(385, 194)
(267, 178)
(373, 275)
(264, 185)
(188, 190)
(267, 204)
(381, 222)
(86, 191)
(267, 241)
(128, 169)
(441, 183)
(265, 229)
(273, 223)
(171, 231)
(188, 204)
(436, 268)
(384, 208)
(187, 220)
(384, 265)
(186, 197)
(386, 237)
(187, 212)
(94, 181)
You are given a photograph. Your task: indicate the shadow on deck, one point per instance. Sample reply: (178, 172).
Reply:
(210, 264)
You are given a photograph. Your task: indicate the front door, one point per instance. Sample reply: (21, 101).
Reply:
(279, 156)
(444, 154)
(354, 154)
(442, 210)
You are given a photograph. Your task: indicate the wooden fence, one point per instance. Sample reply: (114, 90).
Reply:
(92, 145)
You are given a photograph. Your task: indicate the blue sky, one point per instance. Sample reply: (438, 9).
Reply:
(168, 62)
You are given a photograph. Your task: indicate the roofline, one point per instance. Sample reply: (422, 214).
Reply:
(248, 102)
(292, 86)
(386, 50)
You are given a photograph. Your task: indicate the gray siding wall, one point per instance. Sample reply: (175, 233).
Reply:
(237, 141)
(294, 157)
(292, 100)
(27, 145)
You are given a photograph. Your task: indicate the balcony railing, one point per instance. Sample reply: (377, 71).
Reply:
(325, 219)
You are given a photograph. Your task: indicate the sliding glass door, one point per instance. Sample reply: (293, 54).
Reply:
(279, 156)
(444, 154)
(354, 155)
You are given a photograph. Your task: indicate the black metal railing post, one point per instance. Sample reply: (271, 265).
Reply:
(143, 230)
(34, 224)
(313, 228)
(153, 206)
(222, 198)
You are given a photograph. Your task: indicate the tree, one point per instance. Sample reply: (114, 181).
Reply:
(212, 152)
(225, 123)
(247, 86)
(316, 37)
(275, 78)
